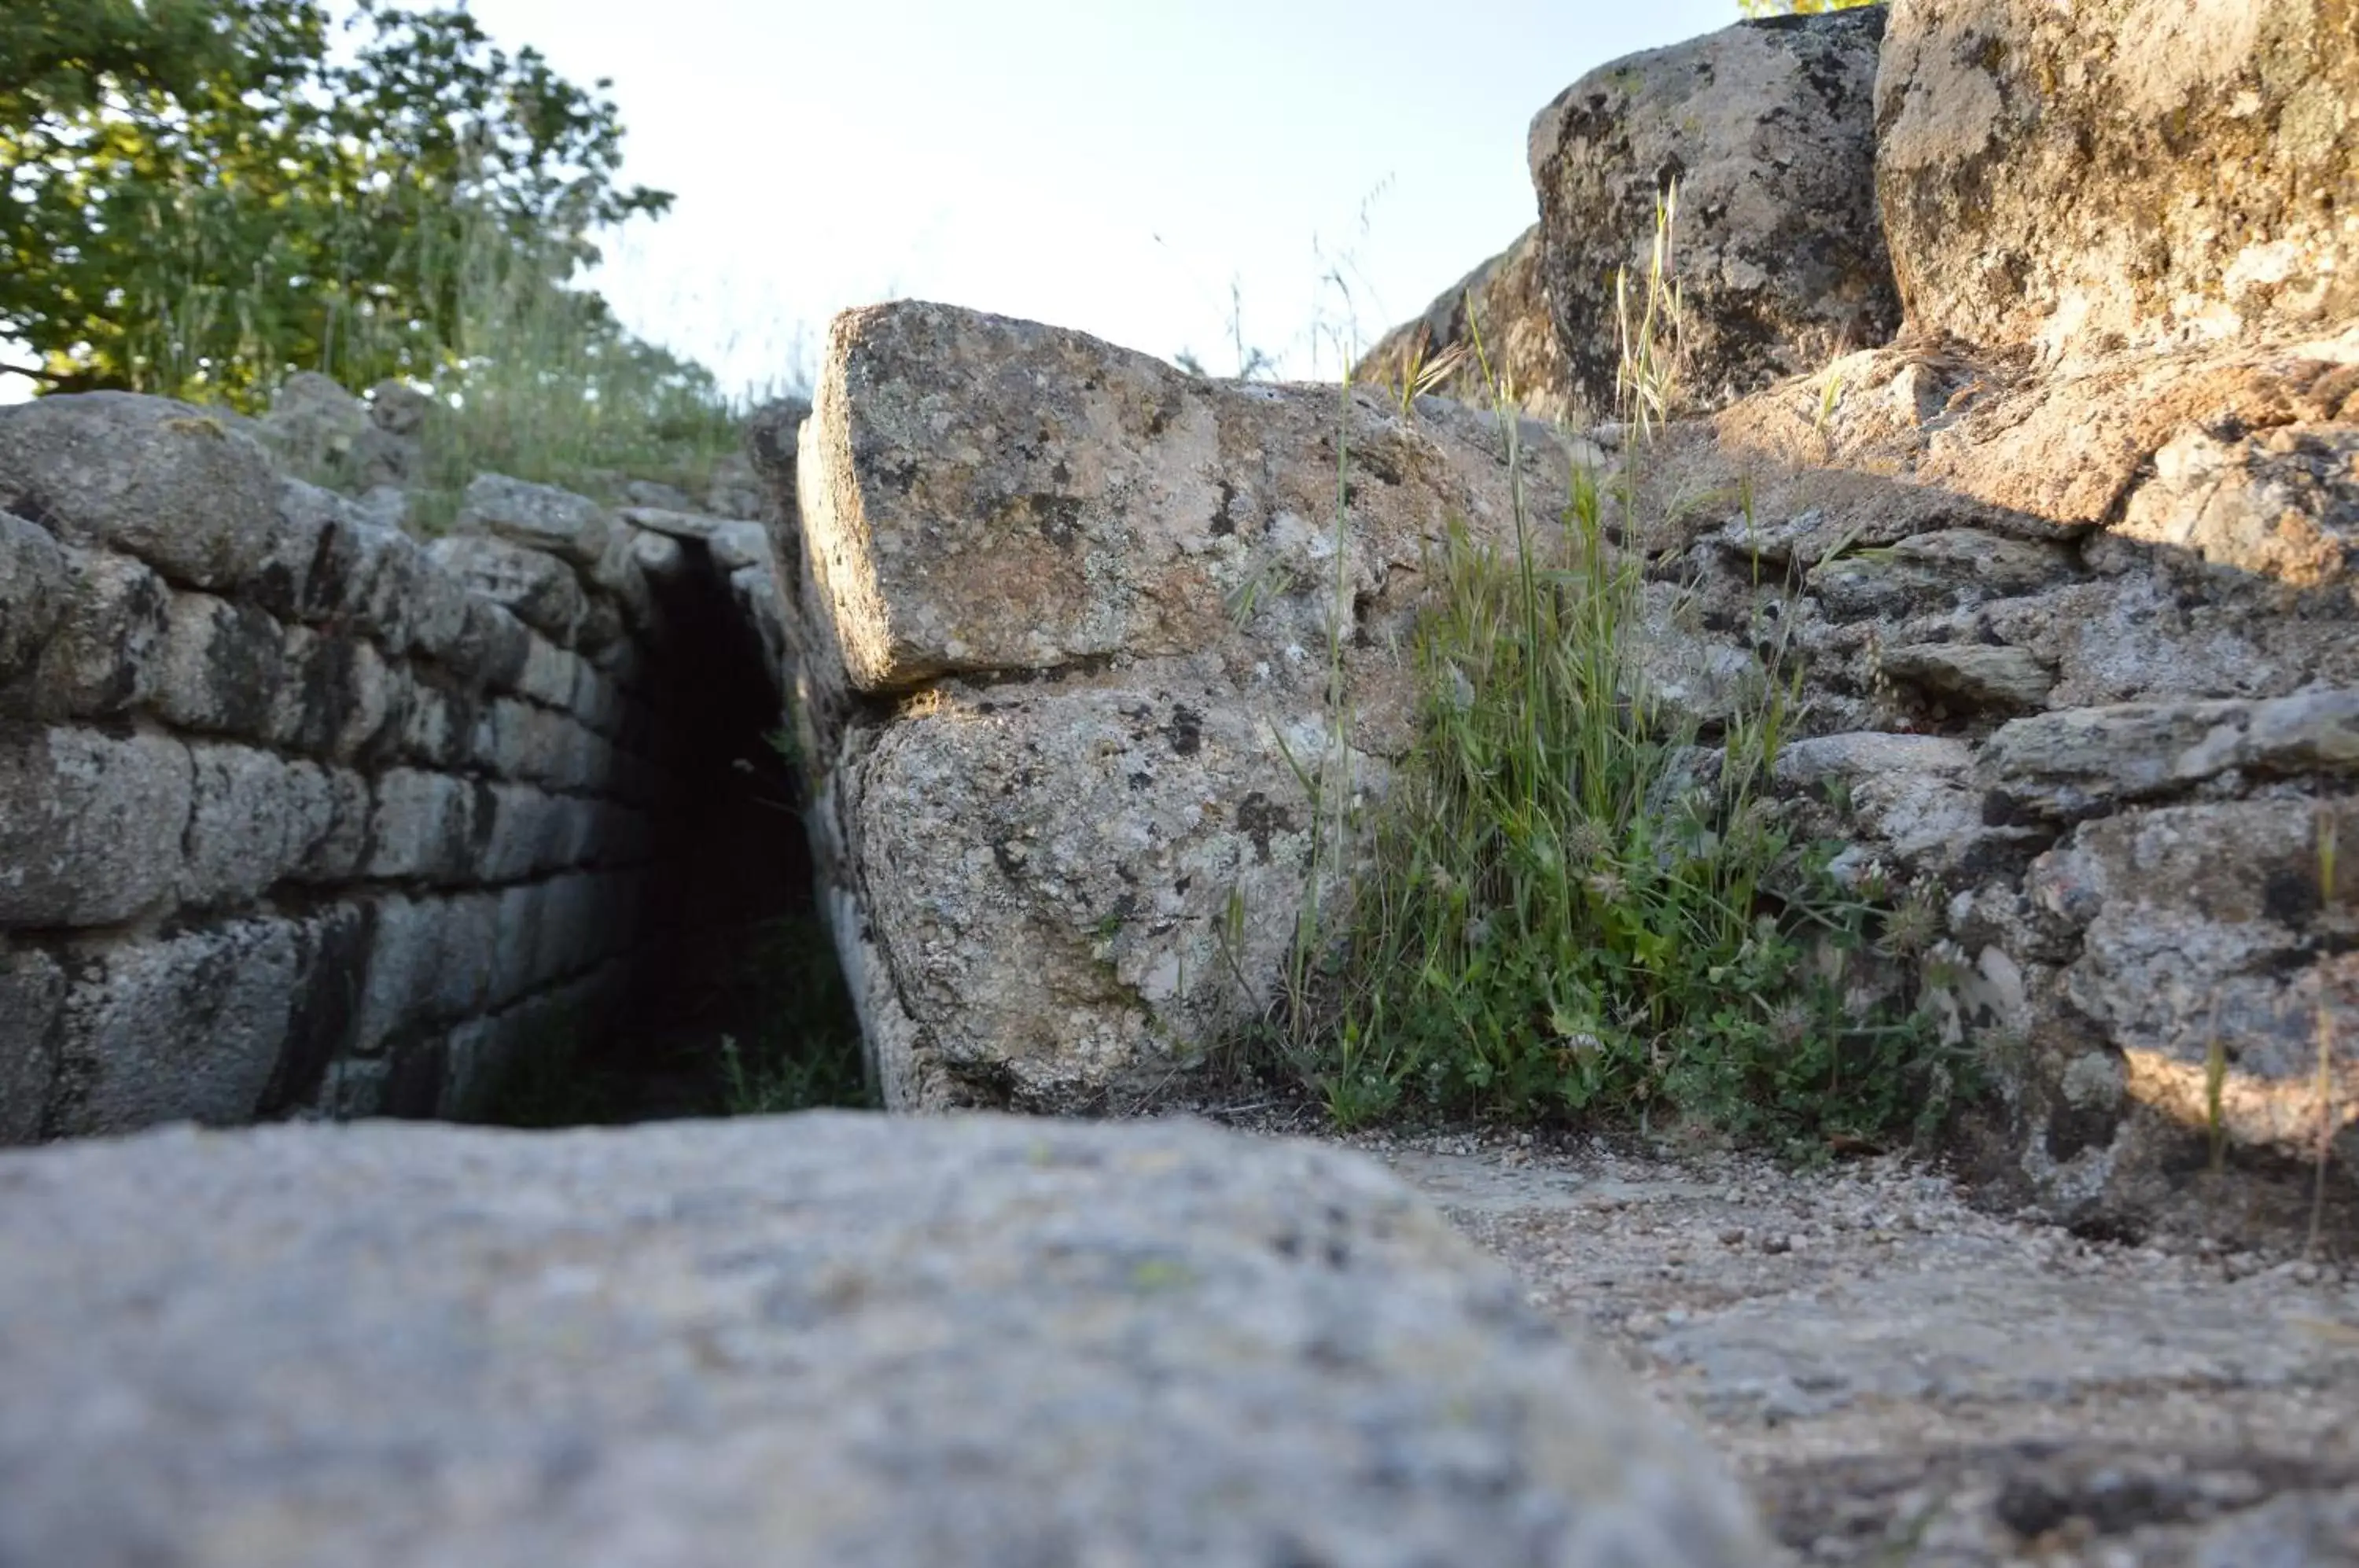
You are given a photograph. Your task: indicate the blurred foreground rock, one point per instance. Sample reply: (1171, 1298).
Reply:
(823, 1340)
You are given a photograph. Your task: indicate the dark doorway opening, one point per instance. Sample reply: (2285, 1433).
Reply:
(736, 1004)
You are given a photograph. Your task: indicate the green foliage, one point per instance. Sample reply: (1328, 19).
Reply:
(541, 383)
(1578, 910)
(1564, 924)
(196, 195)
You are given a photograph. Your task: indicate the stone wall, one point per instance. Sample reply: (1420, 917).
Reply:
(2075, 636)
(297, 813)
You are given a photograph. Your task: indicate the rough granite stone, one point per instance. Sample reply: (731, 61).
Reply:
(540, 590)
(33, 590)
(220, 666)
(2119, 170)
(256, 818)
(827, 1339)
(32, 998)
(994, 494)
(186, 493)
(189, 1027)
(537, 516)
(318, 429)
(2211, 924)
(104, 656)
(423, 826)
(1059, 915)
(91, 826)
(336, 696)
(1496, 317)
(2084, 760)
(1768, 128)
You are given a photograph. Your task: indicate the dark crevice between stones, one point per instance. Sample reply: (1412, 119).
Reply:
(736, 1003)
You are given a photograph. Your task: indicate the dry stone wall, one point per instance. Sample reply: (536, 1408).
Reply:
(1064, 624)
(297, 813)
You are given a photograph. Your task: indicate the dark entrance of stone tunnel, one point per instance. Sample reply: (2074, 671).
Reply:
(736, 1003)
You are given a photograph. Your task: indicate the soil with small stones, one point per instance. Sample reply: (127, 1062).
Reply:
(1902, 1378)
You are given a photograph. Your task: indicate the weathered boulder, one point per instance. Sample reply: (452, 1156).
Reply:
(186, 492)
(2216, 926)
(32, 997)
(2144, 171)
(34, 592)
(821, 1340)
(323, 433)
(1108, 860)
(1496, 315)
(537, 516)
(539, 590)
(2078, 648)
(90, 824)
(1768, 129)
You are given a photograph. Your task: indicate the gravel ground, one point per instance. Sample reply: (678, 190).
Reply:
(1902, 1378)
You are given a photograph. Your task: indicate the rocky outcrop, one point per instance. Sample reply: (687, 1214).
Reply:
(2085, 646)
(822, 1340)
(1767, 129)
(1496, 317)
(1065, 623)
(2097, 176)
(297, 813)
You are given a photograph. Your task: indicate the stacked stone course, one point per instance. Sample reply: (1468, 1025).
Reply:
(297, 814)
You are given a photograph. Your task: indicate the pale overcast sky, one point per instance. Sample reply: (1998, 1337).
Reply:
(1109, 165)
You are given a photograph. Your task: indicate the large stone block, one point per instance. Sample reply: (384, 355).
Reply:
(186, 493)
(383, 585)
(32, 999)
(550, 674)
(424, 826)
(331, 561)
(983, 494)
(336, 697)
(494, 647)
(2217, 926)
(515, 944)
(1101, 885)
(318, 428)
(522, 740)
(533, 832)
(324, 1005)
(336, 855)
(185, 1026)
(431, 962)
(33, 592)
(102, 657)
(2085, 761)
(539, 589)
(2121, 170)
(91, 826)
(438, 725)
(220, 666)
(1768, 128)
(829, 1339)
(538, 517)
(257, 818)
(301, 575)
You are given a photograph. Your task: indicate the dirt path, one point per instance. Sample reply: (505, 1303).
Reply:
(1904, 1379)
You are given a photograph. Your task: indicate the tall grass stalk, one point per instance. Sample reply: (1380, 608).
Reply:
(1576, 905)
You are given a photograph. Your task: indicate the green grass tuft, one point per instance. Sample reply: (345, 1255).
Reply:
(1580, 910)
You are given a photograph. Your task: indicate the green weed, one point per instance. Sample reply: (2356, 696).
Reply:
(1578, 910)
